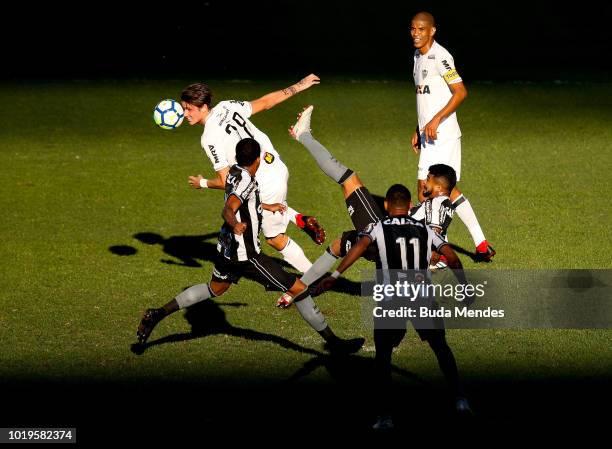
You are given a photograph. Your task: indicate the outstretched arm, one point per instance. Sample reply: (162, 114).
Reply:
(272, 99)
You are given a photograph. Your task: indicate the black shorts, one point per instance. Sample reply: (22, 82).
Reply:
(362, 209)
(262, 269)
(349, 238)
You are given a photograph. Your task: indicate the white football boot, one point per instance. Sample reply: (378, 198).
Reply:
(303, 123)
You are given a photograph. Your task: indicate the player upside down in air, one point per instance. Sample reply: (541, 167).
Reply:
(378, 236)
(239, 254)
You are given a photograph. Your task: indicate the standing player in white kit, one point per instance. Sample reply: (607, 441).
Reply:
(439, 92)
(224, 126)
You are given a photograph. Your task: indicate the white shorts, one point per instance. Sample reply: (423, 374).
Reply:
(447, 152)
(272, 179)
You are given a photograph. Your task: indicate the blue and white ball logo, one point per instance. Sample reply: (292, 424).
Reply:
(168, 114)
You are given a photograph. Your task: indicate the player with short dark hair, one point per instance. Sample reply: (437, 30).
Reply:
(239, 254)
(403, 243)
(225, 125)
(437, 138)
(437, 210)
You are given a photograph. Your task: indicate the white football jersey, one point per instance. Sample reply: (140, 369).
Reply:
(227, 124)
(432, 72)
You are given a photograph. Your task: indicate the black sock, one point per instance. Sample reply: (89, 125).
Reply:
(169, 308)
(328, 335)
(448, 365)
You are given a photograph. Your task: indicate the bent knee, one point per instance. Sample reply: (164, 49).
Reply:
(278, 242)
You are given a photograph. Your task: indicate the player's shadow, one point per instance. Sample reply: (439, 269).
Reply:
(192, 250)
(184, 250)
(349, 370)
(208, 318)
(464, 251)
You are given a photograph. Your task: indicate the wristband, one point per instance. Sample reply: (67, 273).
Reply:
(335, 274)
(204, 183)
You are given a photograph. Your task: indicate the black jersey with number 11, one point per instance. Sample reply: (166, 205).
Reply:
(403, 243)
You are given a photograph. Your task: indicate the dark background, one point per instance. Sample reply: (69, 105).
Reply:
(222, 38)
(284, 40)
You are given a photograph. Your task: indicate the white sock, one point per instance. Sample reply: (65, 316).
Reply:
(291, 213)
(320, 266)
(294, 255)
(467, 215)
(193, 295)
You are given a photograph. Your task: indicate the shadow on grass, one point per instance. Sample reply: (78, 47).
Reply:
(191, 250)
(208, 318)
(465, 252)
(184, 250)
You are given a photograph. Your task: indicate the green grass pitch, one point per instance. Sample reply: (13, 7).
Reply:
(84, 169)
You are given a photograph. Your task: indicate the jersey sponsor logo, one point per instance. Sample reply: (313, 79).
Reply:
(268, 157)
(446, 64)
(451, 76)
(401, 221)
(396, 221)
(431, 57)
(247, 192)
(424, 73)
(212, 150)
(422, 89)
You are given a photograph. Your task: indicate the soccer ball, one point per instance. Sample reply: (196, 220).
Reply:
(168, 114)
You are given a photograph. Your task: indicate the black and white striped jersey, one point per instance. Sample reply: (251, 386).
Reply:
(243, 247)
(436, 212)
(403, 243)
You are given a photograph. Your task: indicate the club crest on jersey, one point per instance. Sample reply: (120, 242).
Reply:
(424, 73)
(269, 158)
(422, 89)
